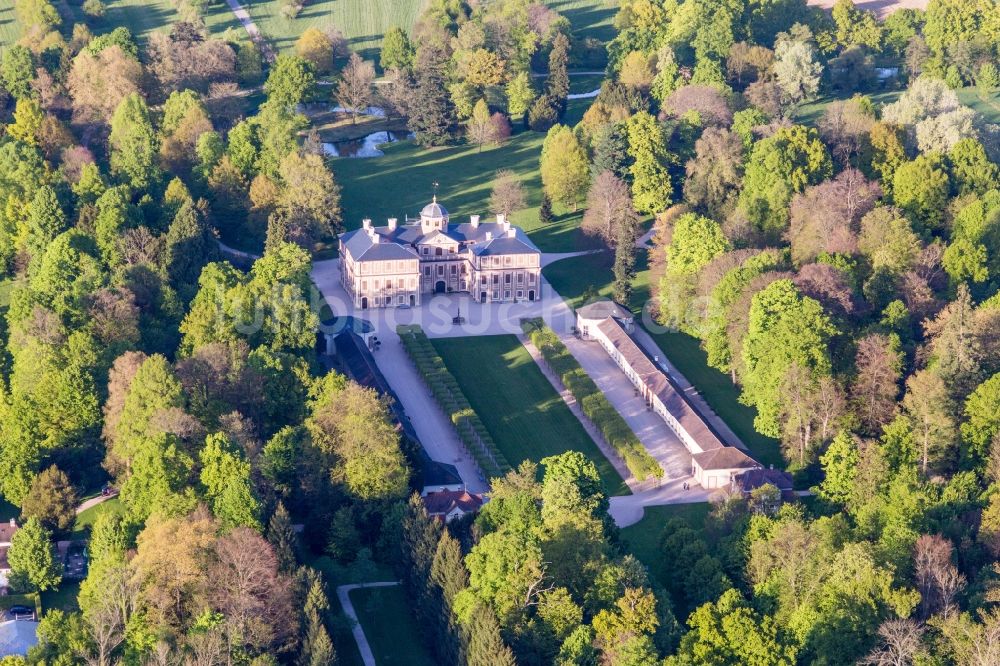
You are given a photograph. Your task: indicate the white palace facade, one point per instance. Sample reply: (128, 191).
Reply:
(396, 265)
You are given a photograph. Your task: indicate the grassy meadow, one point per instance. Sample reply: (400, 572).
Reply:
(523, 413)
(392, 632)
(363, 22)
(402, 182)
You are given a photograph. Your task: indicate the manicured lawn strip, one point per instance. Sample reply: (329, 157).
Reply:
(526, 417)
(390, 627)
(593, 403)
(401, 183)
(685, 352)
(643, 538)
(452, 400)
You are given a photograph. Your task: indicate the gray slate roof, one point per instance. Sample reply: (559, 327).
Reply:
(359, 244)
(728, 457)
(603, 309)
(363, 248)
(659, 383)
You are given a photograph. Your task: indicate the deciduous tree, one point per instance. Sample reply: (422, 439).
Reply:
(354, 92)
(507, 196)
(51, 500)
(564, 167)
(31, 556)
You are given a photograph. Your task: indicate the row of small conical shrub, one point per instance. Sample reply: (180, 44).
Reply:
(452, 400)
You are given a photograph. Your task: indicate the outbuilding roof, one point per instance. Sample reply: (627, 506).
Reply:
(657, 381)
(444, 502)
(727, 457)
(602, 309)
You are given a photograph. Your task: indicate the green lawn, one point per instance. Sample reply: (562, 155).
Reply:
(63, 598)
(988, 106)
(363, 22)
(386, 615)
(590, 18)
(335, 574)
(85, 520)
(525, 416)
(572, 278)
(401, 183)
(141, 17)
(643, 538)
(10, 29)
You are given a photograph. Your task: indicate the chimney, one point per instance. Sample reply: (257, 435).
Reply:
(13, 522)
(511, 233)
(392, 223)
(475, 221)
(366, 223)
(489, 235)
(501, 219)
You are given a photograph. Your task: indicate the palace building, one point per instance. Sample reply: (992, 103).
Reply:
(395, 265)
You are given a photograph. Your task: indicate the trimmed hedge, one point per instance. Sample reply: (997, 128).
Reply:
(593, 403)
(450, 398)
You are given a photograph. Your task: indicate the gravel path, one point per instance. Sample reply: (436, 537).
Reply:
(255, 34)
(344, 595)
(94, 501)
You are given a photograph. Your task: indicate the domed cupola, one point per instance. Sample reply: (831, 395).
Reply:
(433, 216)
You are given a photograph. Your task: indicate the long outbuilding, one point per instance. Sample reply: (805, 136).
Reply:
(715, 463)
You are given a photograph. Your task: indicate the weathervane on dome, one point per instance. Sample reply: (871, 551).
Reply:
(435, 185)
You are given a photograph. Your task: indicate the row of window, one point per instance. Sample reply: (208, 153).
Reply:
(400, 283)
(506, 295)
(378, 267)
(658, 407)
(484, 262)
(441, 270)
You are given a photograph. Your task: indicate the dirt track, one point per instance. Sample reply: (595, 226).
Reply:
(881, 7)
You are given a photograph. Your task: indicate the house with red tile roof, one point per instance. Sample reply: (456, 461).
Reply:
(448, 505)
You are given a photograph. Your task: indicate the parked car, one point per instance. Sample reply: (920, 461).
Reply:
(20, 610)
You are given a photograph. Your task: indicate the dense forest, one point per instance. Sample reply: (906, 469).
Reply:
(841, 267)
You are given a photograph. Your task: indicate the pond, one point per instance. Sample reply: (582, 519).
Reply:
(367, 146)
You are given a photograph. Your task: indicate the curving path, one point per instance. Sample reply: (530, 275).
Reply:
(344, 595)
(94, 501)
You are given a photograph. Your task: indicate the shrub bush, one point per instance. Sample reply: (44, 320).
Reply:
(593, 403)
